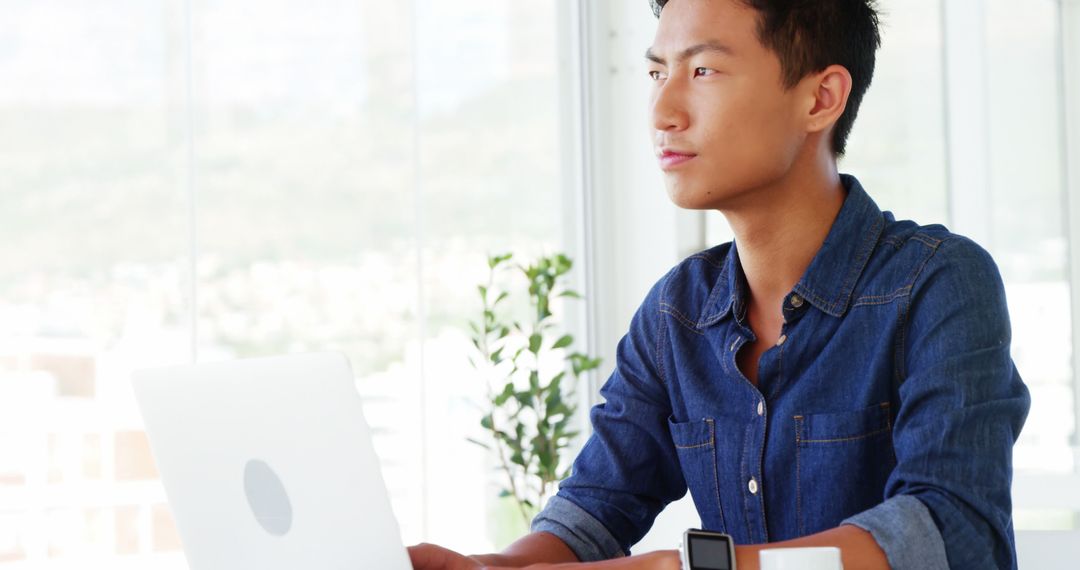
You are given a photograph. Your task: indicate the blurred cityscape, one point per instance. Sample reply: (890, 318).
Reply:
(355, 162)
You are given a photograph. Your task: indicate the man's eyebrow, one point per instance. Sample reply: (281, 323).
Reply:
(712, 45)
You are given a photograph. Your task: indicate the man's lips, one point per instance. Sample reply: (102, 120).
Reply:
(671, 158)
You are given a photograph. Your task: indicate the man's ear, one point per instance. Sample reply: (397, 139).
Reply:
(827, 94)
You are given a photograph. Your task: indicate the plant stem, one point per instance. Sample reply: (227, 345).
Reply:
(491, 398)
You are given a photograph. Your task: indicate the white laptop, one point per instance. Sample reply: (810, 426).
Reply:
(268, 463)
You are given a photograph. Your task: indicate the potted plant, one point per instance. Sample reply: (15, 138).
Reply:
(531, 373)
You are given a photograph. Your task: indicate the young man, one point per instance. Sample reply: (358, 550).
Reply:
(833, 376)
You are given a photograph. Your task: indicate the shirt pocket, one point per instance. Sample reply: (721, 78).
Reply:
(695, 443)
(842, 462)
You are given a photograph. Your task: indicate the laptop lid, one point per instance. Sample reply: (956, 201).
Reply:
(268, 463)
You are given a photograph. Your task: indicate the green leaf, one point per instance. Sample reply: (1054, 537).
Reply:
(524, 398)
(496, 260)
(582, 363)
(486, 422)
(553, 402)
(535, 340)
(571, 294)
(505, 395)
(563, 263)
(501, 296)
(556, 380)
(518, 459)
(483, 291)
(557, 407)
(542, 308)
(505, 493)
(570, 434)
(543, 453)
(563, 342)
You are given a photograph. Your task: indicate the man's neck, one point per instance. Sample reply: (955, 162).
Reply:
(782, 227)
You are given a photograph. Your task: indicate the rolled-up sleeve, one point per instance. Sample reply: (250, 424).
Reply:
(628, 470)
(962, 407)
(585, 535)
(904, 529)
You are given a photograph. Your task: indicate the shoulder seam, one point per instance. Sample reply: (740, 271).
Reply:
(901, 359)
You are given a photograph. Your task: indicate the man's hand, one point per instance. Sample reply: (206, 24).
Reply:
(431, 557)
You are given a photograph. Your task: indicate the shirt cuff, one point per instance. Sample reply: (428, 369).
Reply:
(905, 530)
(587, 537)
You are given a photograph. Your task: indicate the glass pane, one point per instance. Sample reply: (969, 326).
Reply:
(306, 212)
(491, 182)
(318, 130)
(93, 258)
(897, 147)
(1026, 198)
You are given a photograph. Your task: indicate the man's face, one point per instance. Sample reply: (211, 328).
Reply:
(718, 95)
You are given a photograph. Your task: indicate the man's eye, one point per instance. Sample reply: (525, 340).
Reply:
(655, 75)
(703, 71)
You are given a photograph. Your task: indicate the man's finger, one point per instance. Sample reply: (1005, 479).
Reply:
(426, 556)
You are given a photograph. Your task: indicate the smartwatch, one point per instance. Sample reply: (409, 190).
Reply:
(706, 550)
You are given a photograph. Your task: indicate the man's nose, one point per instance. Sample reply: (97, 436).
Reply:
(668, 109)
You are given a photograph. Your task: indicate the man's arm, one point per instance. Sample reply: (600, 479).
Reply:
(962, 405)
(858, 549)
(533, 548)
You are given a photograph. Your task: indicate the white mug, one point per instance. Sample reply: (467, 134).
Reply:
(816, 558)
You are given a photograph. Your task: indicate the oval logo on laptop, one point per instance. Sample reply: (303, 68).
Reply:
(267, 498)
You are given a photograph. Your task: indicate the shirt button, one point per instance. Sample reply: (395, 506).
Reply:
(761, 408)
(796, 301)
(752, 485)
(781, 340)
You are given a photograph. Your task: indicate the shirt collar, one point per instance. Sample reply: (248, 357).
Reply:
(830, 279)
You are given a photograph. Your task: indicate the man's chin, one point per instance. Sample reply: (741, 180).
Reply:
(693, 200)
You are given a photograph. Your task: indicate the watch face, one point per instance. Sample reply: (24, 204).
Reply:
(709, 552)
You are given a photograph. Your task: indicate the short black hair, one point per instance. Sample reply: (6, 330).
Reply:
(810, 35)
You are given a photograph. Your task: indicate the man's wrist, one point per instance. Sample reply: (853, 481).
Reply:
(660, 560)
(747, 557)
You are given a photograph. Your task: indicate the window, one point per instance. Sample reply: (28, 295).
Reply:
(242, 178)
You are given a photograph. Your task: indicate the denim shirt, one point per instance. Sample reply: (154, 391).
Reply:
(890, 402)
